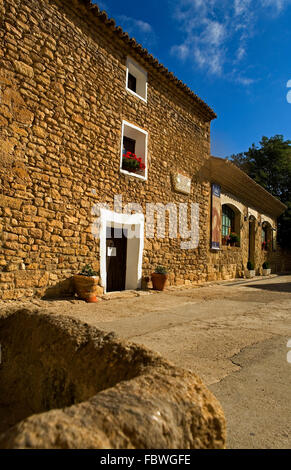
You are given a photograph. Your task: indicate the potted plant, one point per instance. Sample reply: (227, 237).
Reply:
(234, 239)
(250, 270)
(87, 284)
(159, 278)
(266, 269)
(131, 163)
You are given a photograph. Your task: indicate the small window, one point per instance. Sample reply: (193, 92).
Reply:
(267, 236)
(228, 217)
(136, 80)
(133, 159)
(230, 227)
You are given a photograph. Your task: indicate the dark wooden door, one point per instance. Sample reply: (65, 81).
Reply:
(116, 249)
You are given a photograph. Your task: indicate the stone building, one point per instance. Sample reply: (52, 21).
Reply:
(77, 97)
(247, 221)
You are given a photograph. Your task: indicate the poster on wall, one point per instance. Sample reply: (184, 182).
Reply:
(216, 217)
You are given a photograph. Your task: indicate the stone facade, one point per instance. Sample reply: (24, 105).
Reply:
(255, 214)
(63, 100)
(231, 261)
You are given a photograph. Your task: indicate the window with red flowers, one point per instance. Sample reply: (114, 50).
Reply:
(133, 151)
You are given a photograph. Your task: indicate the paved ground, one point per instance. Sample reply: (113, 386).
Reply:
(234, 335)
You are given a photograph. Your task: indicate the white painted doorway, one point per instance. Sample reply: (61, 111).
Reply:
(133, 226)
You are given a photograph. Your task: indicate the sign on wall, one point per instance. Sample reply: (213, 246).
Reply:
(182, 183)
(216, 217)
(111, 251)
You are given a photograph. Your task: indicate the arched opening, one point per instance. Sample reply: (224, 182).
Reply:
(230, 229)
(252, 238)
(267, 236)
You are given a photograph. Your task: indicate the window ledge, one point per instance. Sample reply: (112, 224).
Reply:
(225, 247)
(129, 173)
(136, 95)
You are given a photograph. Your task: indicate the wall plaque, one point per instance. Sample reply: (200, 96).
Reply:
(111, 251)
(182, 183)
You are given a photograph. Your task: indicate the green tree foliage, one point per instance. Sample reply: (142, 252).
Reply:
(270, 166)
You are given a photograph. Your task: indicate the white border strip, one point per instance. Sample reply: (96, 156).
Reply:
(145, 177)
(144, 72)
(107, 218)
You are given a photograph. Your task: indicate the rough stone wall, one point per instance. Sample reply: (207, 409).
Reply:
(62, 102)
(231, 261)
(280, 261)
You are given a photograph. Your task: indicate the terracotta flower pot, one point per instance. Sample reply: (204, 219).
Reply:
(159, 281)
(92, 299)
(86, 287)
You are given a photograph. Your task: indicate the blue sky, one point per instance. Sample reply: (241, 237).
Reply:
(236, 55)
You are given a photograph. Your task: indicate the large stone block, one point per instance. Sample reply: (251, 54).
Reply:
(126, 396)
(24, 69)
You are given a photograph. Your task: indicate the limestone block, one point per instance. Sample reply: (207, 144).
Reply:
(24, 69)
(126, 397)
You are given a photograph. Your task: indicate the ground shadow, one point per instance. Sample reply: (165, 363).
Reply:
(62, 290)
(276, 287)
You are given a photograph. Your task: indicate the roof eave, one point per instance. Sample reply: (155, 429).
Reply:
(223, 172)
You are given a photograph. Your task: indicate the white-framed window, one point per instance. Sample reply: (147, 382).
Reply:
(133, 158)
(136, 79)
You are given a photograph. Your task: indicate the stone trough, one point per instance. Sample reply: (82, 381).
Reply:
(65, 384)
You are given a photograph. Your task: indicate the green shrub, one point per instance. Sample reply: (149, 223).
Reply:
(266, 265)
(88, 271)
(161, 270)
(234, 237)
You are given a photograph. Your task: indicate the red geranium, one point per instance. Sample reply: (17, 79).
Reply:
(136, 163)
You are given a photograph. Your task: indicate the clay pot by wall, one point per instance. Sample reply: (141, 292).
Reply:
(159, 281)
(86, 287)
